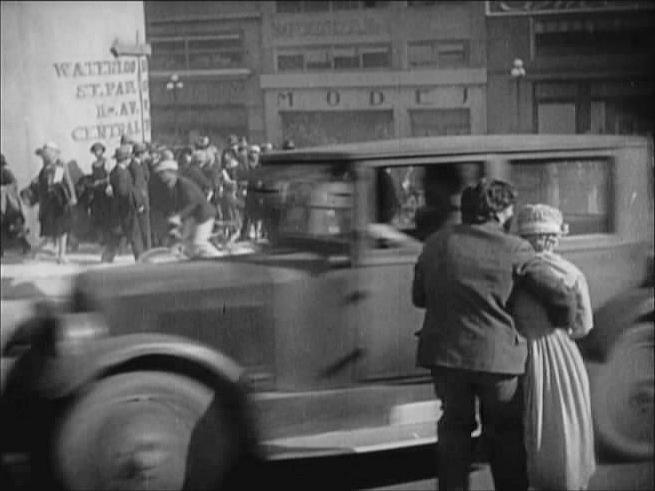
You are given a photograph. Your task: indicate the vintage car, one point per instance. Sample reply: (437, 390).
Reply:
(156, 373)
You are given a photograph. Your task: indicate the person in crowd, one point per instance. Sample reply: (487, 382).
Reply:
(191, 211)
(127, 205)
(230, 204)
(161, 200)
(192, 168)
(231, 150)
(288, 145)
(266, 147)
(140, 175)
(464, 278)
(53, 189)
(100, 194)
(559, 437)
(12, 221)
(127, 141)
(252, 214)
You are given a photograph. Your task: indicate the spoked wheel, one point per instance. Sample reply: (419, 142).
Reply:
(622, 396)
(135, 431)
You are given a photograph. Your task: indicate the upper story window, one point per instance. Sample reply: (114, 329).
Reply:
(316, 6)
(438, 53)
(346, 57)
(594, 36)
(197, 52)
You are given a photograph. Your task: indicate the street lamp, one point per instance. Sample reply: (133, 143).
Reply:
(173, 85)
(518, 72)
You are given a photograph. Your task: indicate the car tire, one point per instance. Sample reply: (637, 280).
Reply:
(622, 396)
(145, 430)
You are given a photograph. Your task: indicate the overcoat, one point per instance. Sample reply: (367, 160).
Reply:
(464, 278)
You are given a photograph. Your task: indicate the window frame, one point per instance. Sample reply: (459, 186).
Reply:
(331, 48)
(435, 61)
(236, 35)
(581, 241)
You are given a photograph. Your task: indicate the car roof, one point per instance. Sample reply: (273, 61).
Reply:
(452, 145)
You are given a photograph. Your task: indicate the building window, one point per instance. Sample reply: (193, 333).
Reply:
(438, 122)
(345, 57)
(598, 107)
(607, 35)
(581, 188)
(438, 53)
(288, 7)
(346, 5)
(290, 63)
(317, 6)
(198, 52)
(318, 59)
(421, 3)
(375, 57)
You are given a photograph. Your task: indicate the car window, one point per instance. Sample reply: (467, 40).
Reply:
(580, 187)
(317, 202)
(418, 199)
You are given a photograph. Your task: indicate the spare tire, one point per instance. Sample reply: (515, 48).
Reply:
(135, 431)
(622, 396)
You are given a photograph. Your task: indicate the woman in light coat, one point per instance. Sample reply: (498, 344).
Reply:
(558, 425)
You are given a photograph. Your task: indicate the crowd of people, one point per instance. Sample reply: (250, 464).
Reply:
(151, 192)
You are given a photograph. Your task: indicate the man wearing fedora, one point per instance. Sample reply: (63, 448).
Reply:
(140, 176)
(125, 207)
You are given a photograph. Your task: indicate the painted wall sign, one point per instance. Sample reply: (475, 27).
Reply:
(509, 7)
(327, 28)
(113, 94)
(370, 98)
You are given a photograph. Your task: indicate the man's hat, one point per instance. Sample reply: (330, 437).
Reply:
(166, 165)
(254, 149)
(123, 152)
(126, 140)
(47, 146)
(541, 219)
(232, 140)
(97, 145)
(167, 154)
(202, 142)
(140, 148)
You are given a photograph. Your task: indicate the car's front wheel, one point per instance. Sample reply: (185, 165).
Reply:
(622, 395)
(138, 430)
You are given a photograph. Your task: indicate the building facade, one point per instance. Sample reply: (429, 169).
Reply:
(213, 48)
(339, 71)
(588, 67)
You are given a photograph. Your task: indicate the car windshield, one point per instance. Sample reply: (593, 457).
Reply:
(311, 201)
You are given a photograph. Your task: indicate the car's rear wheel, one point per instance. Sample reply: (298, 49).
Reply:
(622, 396)
(135, 431)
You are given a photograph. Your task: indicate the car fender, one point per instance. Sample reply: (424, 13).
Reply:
(65, 373)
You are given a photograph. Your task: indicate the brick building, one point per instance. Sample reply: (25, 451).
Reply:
(215, 50)
(339, 71)
(588, 67)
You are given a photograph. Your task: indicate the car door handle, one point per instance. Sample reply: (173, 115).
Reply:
(356, 296)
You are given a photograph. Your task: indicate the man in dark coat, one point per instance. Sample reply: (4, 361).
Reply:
(125, 207)
(140, 176)
(464, 278)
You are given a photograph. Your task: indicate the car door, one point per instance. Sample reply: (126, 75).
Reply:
(397, 195)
